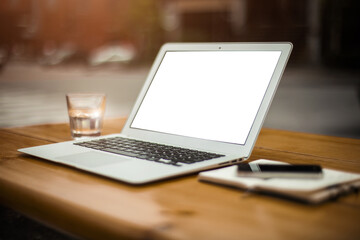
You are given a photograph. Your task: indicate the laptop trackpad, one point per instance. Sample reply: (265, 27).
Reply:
(90, 159)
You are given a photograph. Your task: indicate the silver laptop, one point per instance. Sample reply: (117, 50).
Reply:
(202, 106)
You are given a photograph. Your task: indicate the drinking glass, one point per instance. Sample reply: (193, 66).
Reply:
(86, 113)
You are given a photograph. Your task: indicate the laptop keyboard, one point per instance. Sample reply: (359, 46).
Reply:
(166, 154)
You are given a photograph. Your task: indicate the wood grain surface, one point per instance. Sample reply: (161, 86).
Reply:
(94, 207)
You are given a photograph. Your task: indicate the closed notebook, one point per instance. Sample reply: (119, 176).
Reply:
(333, 183)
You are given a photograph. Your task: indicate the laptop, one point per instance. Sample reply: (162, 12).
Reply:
(201, 107)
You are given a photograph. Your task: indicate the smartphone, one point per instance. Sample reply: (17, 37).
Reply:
(279, 170)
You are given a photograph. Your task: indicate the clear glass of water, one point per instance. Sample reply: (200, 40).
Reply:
(86, 113)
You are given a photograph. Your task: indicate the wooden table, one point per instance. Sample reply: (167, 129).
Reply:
(93, 207)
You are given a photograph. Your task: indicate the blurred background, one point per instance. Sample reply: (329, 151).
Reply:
(51, 47)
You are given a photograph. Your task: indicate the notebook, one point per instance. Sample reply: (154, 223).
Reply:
(211, 98)
(332, 185)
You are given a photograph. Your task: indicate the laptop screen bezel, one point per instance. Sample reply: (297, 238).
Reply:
(202, 144)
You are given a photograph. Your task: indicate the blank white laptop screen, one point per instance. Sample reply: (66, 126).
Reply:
(213, 95)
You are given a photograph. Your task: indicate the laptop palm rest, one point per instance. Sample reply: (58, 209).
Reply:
(91, 159)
